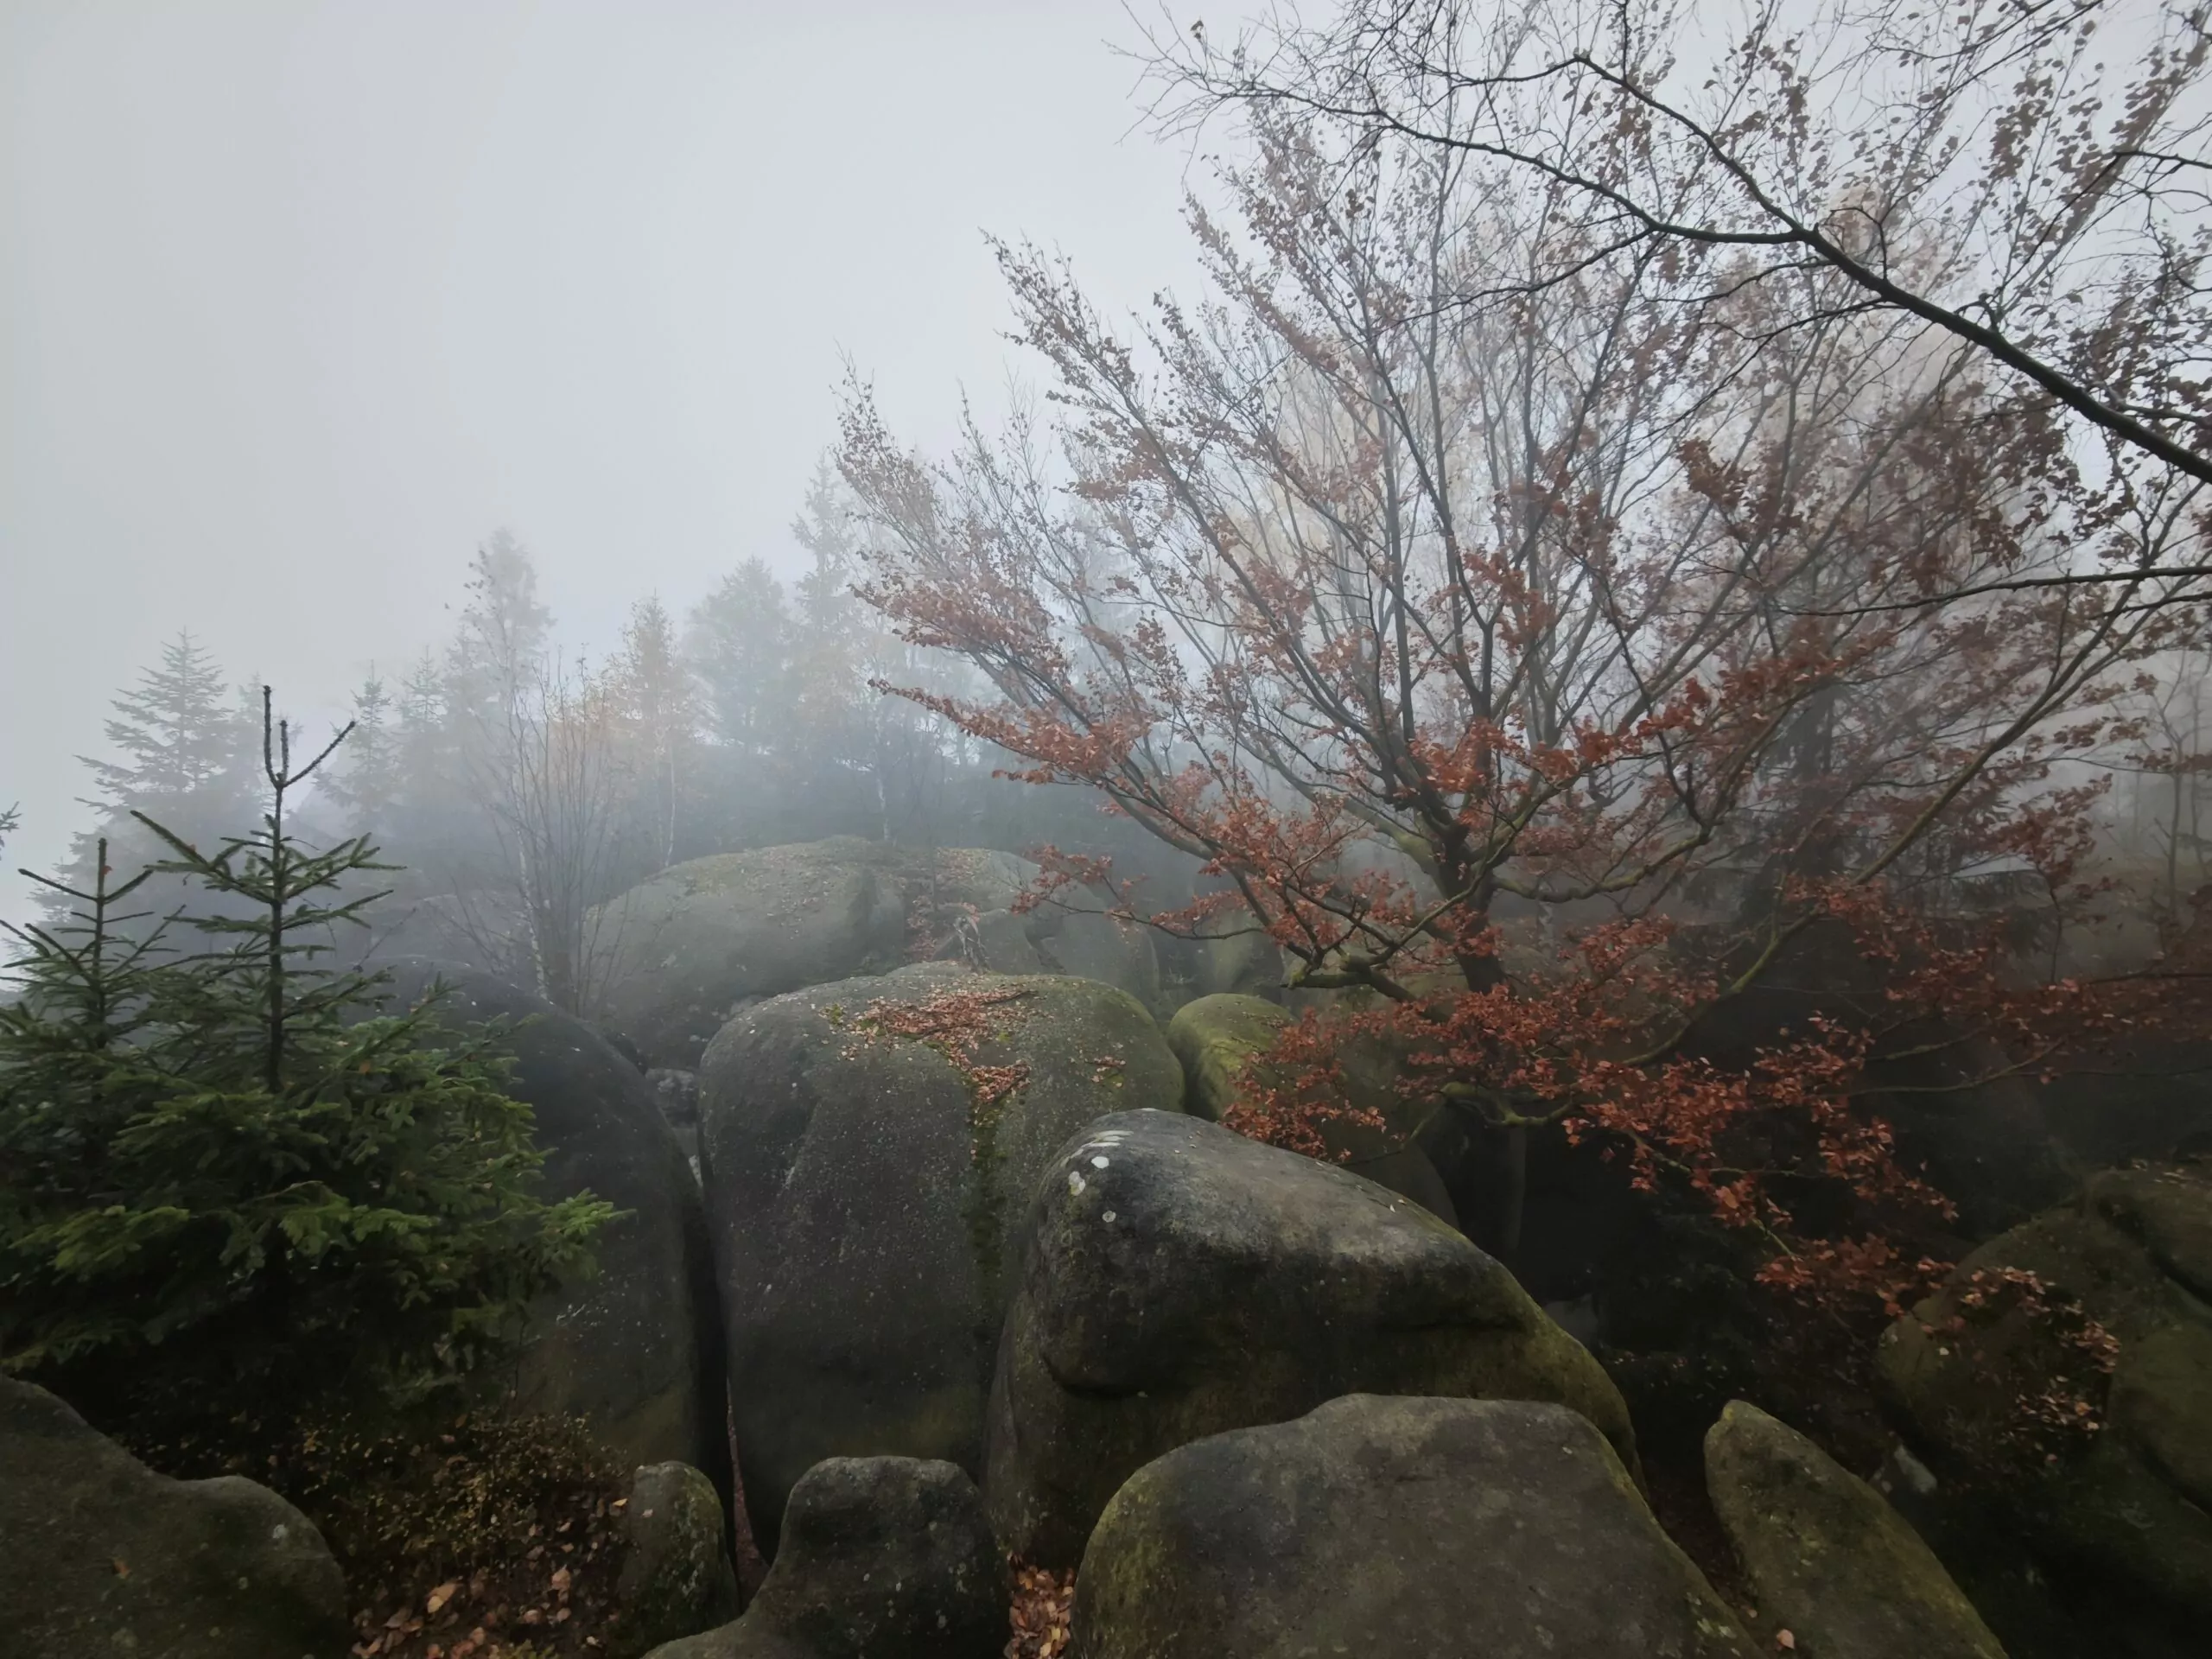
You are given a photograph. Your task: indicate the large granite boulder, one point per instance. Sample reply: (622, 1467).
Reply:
(2064, 1370)
(883, 1558)
(1236, 956)
(1219, 1038)
(636, 1350)
(867, 1150)
(1394, 1528)
(100, 1556)
(1183, 1281)
(1094, 946)
(1824, 1557)
(679, 953)
(677, 1578)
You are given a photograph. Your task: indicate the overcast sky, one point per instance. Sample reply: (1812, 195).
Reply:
(299, 301)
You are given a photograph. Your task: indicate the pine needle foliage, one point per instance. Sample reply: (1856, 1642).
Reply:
(227, 1166)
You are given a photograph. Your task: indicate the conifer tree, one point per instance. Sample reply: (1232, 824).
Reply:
(228, 1165)
(185, 749)
(367, 784)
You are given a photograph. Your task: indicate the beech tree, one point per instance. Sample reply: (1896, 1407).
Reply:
(1541, 660)
(2030, 181)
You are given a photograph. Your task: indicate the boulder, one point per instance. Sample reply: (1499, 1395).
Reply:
(680, 952)
(634, 1351)
(1826, 1558)
(1217, 1038)
(883, 1558)
(1987, 1380)
(100, 1556)
(1093, 946)
(1182, 1280)
(1394, 1528)
(996, 940)
(867, 1149)
(972, 878)
(677, 1577)
(1244, 961)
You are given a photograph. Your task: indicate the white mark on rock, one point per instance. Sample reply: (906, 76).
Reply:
(1075, 1180)
(1108, 1217)
(1098, 1163)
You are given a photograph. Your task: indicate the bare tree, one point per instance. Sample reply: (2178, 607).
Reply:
(1978, 169)
(556, 792)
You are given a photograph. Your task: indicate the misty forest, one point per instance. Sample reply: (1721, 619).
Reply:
(1490, 934)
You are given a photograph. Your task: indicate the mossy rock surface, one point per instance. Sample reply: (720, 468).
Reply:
(2120, 1507)
(1183, 1281)
(677, 1578)
(100, 1556)
(635, 1350)
(678, 954)
(1827, 1559)
(883, 1558)
(864, 1188)
(1218, 1039)
(1394, 1528)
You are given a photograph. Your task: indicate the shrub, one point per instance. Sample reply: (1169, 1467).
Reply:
(227, 1168)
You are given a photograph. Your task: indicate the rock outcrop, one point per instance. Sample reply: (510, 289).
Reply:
(868, 1150)
(100, 1556)
(1092, 946)
(677, 1578)
(635, 1350)
(1394, 1528)
(681, 952)
(2001, 1379)
(1824, 1557)
(1217, 1039)
(1182, 1280)
(882, 1558)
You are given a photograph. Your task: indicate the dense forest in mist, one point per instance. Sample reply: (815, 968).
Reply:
(1530, 884)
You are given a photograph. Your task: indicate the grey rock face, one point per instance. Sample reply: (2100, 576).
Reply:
(682, 952)
(636, 1352)
(1394, 1528)
(101, 1557)
(677, 1579)
(882, 1558)
(1182, 1280)
(1827, 1560)
(864, 1188)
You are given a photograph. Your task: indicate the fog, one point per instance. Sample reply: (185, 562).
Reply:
(299, 301)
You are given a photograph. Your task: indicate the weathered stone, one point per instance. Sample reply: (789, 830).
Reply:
(636, 1350)
(865, 1190)
(1092, 946)
(1182, 1280)
(680, 951)
(1245, 962)
(677, 1579)
(996, 940)
(1394, 1528)
(882, 1558)
(1826, 1558)
(1218, 1039)
(100, 1556)
(2123, 1507)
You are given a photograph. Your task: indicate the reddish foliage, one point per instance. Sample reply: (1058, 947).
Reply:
(958, 1023)
(1544, 662)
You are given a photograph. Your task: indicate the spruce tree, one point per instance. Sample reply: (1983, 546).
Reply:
(228, 1167)
(367, 782)
(185, 750)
